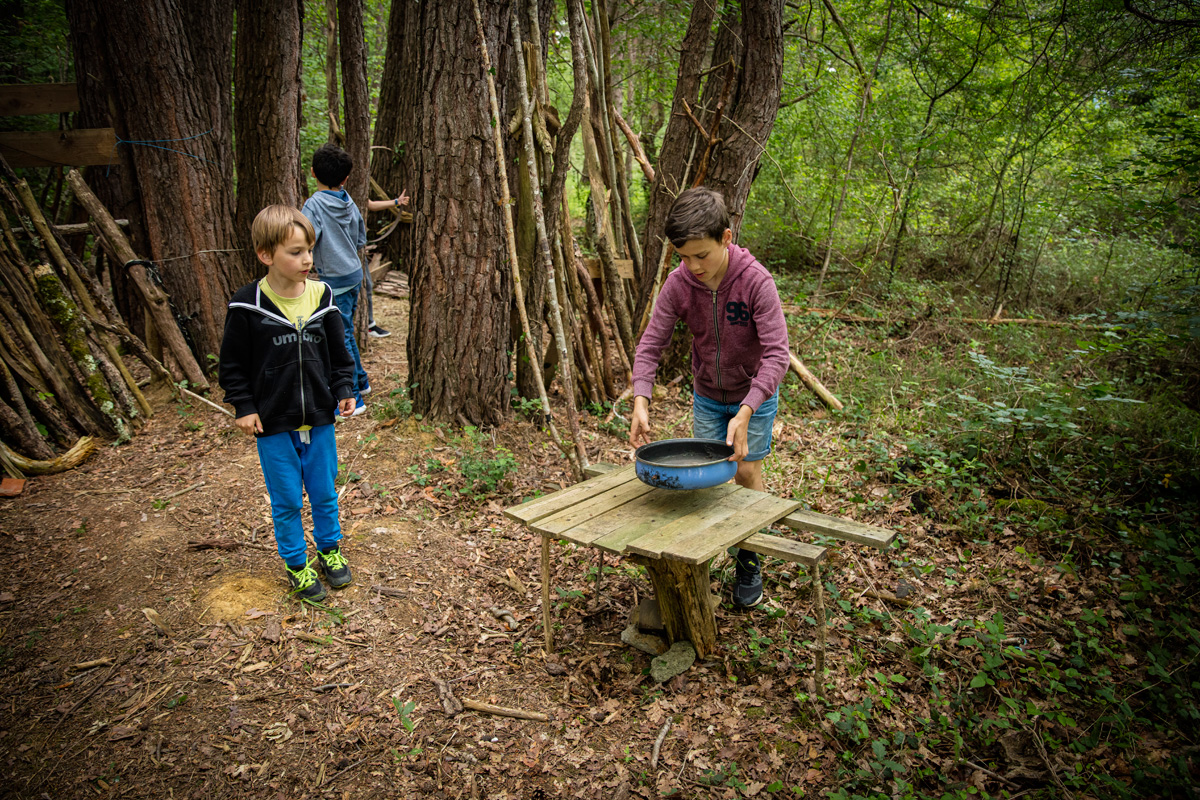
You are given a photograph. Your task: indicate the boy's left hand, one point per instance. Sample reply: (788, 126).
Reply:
(346, 406)
(736, 435)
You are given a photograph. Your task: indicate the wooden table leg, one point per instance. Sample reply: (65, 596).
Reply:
(683, 601)
(819, 601)
(546, 595)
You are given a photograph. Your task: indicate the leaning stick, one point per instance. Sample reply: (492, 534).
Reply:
(539, 215)
(155, 300)
(535, 358)
(501, 711)
(814, 385)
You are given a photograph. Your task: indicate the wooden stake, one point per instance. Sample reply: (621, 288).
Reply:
(815, 572)
(546, 595)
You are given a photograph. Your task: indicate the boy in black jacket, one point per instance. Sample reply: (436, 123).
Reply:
(286, 372)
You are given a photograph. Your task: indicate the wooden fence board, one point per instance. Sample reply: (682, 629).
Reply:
(21, 99)
(81, 148)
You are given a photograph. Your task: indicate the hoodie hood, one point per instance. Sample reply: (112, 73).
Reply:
(739, 259)
(341, 233)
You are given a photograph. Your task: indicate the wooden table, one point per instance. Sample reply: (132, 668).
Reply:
(674, 534)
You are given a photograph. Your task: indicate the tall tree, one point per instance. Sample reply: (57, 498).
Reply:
(267, 110)
(353, 50)
(736, 110)
(434, 118)
(171, 106)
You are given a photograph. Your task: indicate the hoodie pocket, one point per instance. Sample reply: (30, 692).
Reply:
(278, 392)
(318, 397)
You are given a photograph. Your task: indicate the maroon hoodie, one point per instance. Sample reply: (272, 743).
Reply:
(739, 337)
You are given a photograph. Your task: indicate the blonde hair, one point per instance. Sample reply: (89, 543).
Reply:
(273, 226)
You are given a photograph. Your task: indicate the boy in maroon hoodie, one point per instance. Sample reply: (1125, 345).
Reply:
(739, 348)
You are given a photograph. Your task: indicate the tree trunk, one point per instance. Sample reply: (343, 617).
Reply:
(354, 89)
(333, 93)
(171, 106)
(460, 289)
(267, 113)
(391, 160)
(751, 35)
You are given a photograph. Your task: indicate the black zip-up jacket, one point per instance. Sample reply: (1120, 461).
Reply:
(288, 377)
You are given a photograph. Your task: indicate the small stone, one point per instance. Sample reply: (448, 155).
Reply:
(673, 662)
(646, 642)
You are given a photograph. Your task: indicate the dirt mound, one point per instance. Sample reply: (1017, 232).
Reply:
(239, 594)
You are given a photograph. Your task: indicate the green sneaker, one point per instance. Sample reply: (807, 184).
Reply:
(334, 565)
(304, 583)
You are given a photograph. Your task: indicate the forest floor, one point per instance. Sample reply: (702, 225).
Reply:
(141, 661)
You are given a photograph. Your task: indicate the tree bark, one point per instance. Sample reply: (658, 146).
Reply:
(171, 106)
(333, 93)
(460, 290)
(267, 112)
(353, 50)
(751, 34)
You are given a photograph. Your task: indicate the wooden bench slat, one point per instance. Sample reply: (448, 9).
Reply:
(556, 501)
(643, 517)
(704, 544)
(787, 549)
(844, 529)
(699, 517)
(598, 469)
(562, 522)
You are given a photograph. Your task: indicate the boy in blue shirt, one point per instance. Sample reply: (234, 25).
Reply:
(341, 234)
(286, 372)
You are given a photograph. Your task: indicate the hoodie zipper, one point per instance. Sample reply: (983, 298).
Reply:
(300, 364)
(717, 333)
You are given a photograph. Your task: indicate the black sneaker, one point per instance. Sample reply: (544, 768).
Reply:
(376, 332)
(305, 584)
(335, 568)
(748, 590)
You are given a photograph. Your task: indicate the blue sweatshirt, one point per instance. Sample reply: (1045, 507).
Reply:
(341, 233)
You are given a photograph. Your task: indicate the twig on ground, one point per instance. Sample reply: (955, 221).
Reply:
(658, 744)
(501, 711)
(995, 775)
(325, 687)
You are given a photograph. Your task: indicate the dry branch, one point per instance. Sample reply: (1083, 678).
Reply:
(811, 382)
(68, 460)
(501, 711)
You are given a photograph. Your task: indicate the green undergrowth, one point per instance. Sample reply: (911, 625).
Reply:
(1046, 481)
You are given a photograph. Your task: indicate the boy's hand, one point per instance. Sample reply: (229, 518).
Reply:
(736, 435)
(639, 425)
(249, 424)
(402, 200)
(346, 406)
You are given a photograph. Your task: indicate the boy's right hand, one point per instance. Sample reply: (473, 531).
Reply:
(639, 425)
(249, 424)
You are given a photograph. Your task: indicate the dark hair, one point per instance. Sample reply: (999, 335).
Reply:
(697, 214)
(331, 165)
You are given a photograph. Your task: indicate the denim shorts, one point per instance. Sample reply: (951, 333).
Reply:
(710, 420)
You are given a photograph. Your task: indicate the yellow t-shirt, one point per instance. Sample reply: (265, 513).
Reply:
(296, 309)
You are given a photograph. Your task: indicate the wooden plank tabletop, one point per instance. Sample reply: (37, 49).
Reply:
(616, 512)
(564, 498)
